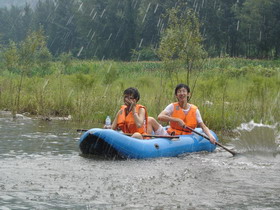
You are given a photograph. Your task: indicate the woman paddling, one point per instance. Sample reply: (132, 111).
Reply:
(182, 114)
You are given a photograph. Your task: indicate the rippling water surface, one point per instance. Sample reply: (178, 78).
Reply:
(41, 169)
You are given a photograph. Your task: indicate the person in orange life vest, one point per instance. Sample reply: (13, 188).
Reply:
(182, 113)
(132, 117)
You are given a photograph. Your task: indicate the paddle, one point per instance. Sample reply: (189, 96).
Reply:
(217, 143)
(82, 130)
(144, 135)
(154, 136)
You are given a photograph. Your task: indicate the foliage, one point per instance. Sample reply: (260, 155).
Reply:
(144, 54)
(258, 23)
(32, 52)
(224, 96)
(181, 43)
(110, 29)
(66, 60)
(11, 57)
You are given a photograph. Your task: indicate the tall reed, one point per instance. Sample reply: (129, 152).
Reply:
(227, 91)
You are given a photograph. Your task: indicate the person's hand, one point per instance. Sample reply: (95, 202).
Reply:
(131, 103)
(212, 139)
(107, 127)
(180, 122)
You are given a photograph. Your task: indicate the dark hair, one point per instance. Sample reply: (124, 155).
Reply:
(182, 86)
(132, 91)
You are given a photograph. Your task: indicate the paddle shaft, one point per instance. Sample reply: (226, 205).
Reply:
(155, 136)
(206, 137)
(82, 130)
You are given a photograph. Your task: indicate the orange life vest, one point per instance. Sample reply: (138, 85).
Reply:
(127, 124)
(189, 119)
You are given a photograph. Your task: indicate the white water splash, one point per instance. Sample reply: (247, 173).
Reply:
(257, 137)
(251, 125)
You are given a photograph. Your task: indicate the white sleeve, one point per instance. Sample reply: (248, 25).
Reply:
(198, 117)
(169, 109)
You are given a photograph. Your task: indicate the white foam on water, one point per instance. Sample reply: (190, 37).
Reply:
(257, 137)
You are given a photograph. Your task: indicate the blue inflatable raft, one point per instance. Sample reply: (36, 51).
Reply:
(110, 143)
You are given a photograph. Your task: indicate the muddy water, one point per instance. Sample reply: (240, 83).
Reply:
(41, 169)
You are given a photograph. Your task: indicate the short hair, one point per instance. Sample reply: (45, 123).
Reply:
(132, 91)
(182, 86)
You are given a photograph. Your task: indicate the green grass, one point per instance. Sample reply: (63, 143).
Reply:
(239, 90)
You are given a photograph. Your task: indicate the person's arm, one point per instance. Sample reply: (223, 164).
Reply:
(165, 117)
(139, 117)
(114, 124)
(207, 132)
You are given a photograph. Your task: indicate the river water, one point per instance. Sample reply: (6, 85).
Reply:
(41, 168)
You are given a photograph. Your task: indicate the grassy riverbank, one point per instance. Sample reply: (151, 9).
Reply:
(228, 91)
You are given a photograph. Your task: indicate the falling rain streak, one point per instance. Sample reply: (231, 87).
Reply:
(135, 4)
(92, 36)
(80, 7)
(70, 20)
(144, 17)
(89, 32)
(140, 44)
(91, 12)
(102, 13)
(94, 16)
(80, 51)
(148, 7)
(114, 28)
(108, 39)
(237, 27)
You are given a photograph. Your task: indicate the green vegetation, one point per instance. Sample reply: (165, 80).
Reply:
(39, 73)
(181, 44)
(228, 91)
(131, 30)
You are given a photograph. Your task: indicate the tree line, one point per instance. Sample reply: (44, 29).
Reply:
(132, 29)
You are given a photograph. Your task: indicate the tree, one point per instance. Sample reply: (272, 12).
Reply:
(27, 19)
(219, 26)
(276, 27)
(11, 57)
(43, 15)
(181, 42)
(107, 28)
(257, 23)
(151, 21)
(62, 26)
(24, 56)
(114, 29)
